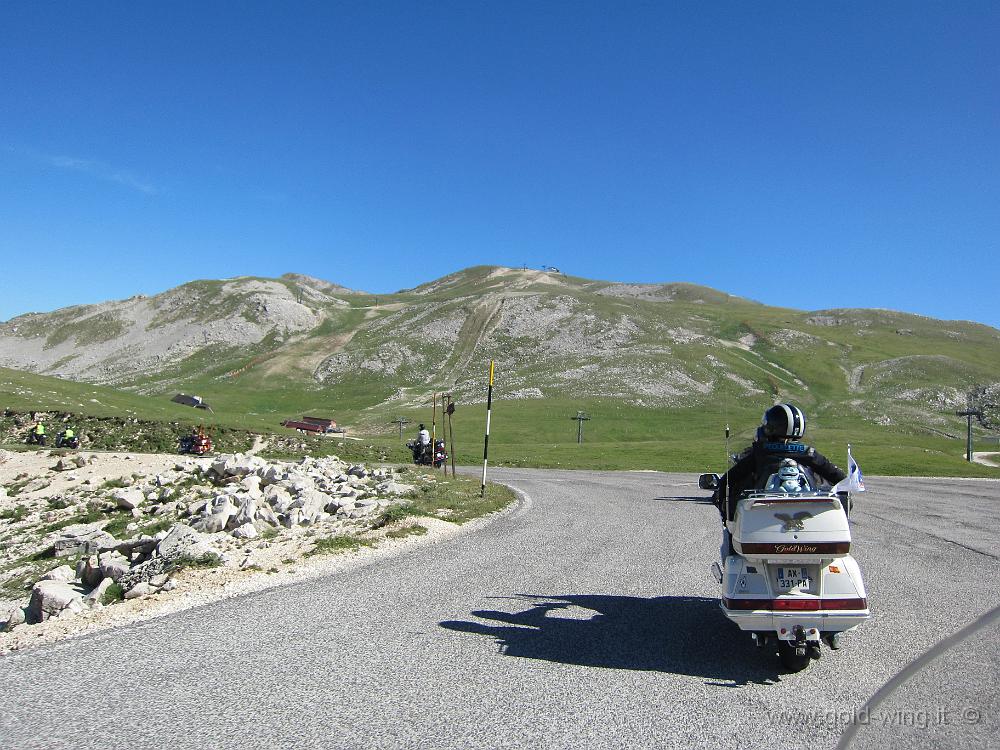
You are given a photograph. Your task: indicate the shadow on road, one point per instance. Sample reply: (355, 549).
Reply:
(675, 634)
(704, 499)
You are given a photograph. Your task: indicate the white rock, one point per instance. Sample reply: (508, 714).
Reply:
(82, 539)
(247, 513)
(279, 498)
(49, 598)
(265, 514)
(140, 589)
(182, 540)
(62, 573)
(113, 565)
(15, 618)
(128, 497)
(212, 524)
(246, 531)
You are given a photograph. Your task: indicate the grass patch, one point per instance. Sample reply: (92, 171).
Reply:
(457, 499)
(412, 530)
(334, 545)
(395, 513)
(33, 566)
(58, 503)
(14, 514)
(269, 533)
(116, 527)
(112, 594)
(16, 487)
(112, 484)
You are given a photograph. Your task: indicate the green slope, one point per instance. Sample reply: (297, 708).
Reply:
(662, 367)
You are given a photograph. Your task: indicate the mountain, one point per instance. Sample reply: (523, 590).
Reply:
(554, 337)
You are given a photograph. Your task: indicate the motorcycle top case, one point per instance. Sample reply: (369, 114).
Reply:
(777, 526)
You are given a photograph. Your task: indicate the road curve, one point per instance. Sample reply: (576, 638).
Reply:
(585, 618)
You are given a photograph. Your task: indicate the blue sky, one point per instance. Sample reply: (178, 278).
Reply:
(810, 155)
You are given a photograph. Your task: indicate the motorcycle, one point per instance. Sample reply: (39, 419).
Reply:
(197, 444)
(788, 576)
(35, 439)
(72, 442)
(422, 455)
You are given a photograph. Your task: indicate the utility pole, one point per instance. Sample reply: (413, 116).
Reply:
(971, 411)
(968, 414)
(401, 422)
(580, 418)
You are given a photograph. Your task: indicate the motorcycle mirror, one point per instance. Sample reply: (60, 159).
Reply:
(708, 481)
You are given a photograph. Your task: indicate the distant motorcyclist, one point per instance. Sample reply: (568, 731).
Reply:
(37, 434)
(422, 445)
(66, 438)
(782, 428)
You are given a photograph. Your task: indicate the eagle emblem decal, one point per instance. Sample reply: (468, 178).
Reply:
(793, 522)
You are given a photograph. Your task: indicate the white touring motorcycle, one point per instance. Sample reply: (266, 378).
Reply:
(789, 574)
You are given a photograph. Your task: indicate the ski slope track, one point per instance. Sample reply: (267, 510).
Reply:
(586, 618)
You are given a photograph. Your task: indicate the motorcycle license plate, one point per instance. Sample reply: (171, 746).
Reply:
(793, 579)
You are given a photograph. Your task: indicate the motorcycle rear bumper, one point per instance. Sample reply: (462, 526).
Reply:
(822, 622)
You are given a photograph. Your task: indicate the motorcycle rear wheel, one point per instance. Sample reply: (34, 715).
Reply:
(789, 659)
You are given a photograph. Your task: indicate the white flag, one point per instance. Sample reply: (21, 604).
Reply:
(855, 481)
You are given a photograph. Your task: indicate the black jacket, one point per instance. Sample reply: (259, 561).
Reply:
(762, 460)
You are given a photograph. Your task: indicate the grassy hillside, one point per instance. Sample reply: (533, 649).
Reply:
(660, 367)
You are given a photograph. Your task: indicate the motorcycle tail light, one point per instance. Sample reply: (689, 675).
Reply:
(845, 604)
(796, 605)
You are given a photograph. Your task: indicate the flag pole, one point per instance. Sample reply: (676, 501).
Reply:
(486, 441)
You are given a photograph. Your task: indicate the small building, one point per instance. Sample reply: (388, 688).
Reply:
(196, 401)
(318, 425)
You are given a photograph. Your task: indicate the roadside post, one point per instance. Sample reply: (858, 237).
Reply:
(486, 442)
(451, 432)
(400, 421)
(580, 418)
(434, 415)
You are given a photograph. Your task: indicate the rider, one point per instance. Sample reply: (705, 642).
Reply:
(39, 432)
(423, 440)
(782, 428)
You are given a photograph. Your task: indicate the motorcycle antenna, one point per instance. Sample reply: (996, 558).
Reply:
(725, 410)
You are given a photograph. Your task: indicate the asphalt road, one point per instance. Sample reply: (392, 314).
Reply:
(586, 617)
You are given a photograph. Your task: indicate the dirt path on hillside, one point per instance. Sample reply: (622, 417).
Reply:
(478, 325)
(306, 355)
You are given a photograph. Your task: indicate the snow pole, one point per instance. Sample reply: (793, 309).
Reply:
(451, 431)
(434, 415)
(486, 442)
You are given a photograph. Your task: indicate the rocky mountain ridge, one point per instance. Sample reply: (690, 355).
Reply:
(669, 344)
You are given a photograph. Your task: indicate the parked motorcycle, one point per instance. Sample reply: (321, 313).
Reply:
(198, 443)
(423, 456)
(789, 578)
(35, 439)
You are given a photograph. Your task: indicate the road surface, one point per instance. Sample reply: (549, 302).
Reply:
(585, 617)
